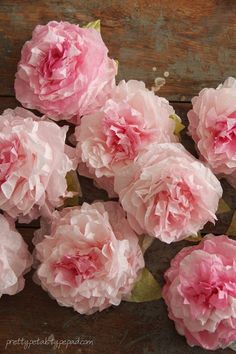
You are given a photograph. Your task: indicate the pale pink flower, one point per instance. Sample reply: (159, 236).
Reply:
(64, 71)
(213, 127)
(89, 258)
(34, 161)
(167, 193)
(15, 259)
(130, 120)
(200, 292)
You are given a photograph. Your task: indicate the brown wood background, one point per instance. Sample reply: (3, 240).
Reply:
(195, 41)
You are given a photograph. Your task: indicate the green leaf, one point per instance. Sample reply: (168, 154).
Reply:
(94, 24)
(232, 346)
(71, 202)
(145, 242)
(146, 288)
(232, 227)
(178, 123)
(194, 238)
(73, 186)
(223, 207)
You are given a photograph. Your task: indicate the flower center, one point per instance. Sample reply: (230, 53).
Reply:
(225, 135)
(208, 295)
(210, 285)
(124, 135)
(8, 157)
(174, 199)
(73, 269)
(55, 64)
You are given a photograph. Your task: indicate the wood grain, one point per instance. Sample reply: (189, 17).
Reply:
(195, 41)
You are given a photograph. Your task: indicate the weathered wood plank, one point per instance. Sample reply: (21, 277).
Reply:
(195, 42)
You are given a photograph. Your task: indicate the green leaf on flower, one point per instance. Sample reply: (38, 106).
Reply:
(194, 238)
(232, 227)
(232, 346)
(178, 123)
(145, 242)
(146, 288)
(73, 186)
(94, 24)
(223, 207)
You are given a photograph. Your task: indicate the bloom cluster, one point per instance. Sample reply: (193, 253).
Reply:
(89, 256)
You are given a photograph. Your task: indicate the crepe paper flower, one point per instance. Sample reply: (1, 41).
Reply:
(112, 137)
(15, 259)
(34, 161)
(167, 193)
(213, 128)
(64, 71)
(200, 292)
(90, 258)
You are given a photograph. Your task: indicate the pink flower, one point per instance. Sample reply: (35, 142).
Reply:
(33, 164)
(200, 292)
(64, 71)
(130, 120)
(167, 193)
(90, 258)
(15, 259)
(213, 127)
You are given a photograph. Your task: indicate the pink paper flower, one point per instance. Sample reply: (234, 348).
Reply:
(213, 127)
(15, 259)
(33, 164)
(167, 193)
(64, 71)
(200, 292)
(130, 120)
(90, 258)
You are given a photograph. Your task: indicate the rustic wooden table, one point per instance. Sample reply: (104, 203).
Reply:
(195, 42)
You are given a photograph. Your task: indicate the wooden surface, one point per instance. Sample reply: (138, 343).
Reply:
(195, 42)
